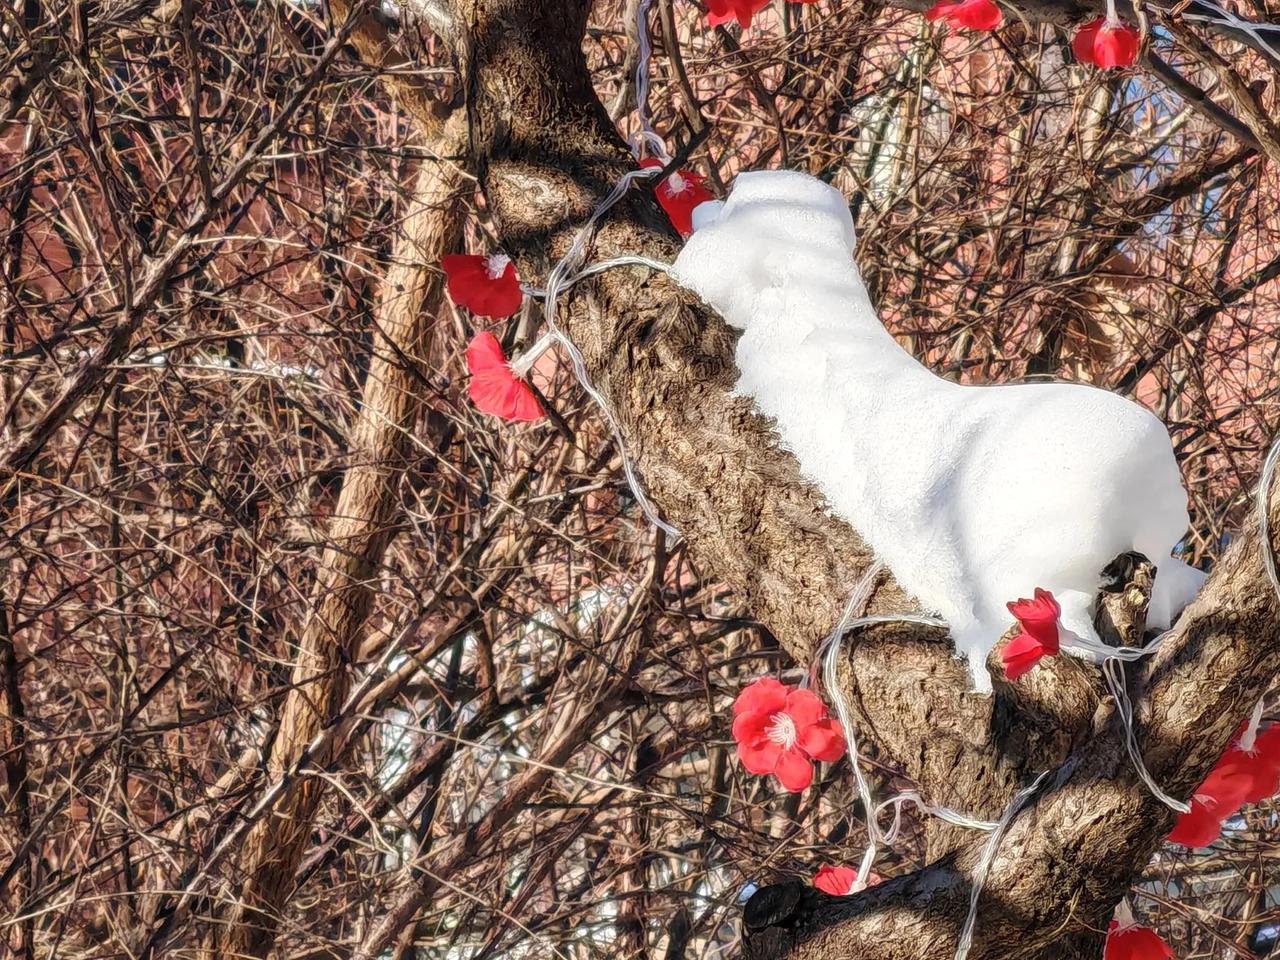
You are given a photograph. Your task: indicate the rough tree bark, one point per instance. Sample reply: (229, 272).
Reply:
(547, 152)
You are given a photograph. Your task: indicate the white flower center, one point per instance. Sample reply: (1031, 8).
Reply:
(782, 731)
(676, 183)
(496, 265)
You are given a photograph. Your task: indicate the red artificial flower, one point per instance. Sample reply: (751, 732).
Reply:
(485, 285)
(722, 11)
(781, 730)
(678, 195)
(1039, 635)
(841, 881)
(1106, 43)
(1222, 793)
(1197, 828)
(1213, 803)
(494, 389)
(971, 14)
(1134, 942)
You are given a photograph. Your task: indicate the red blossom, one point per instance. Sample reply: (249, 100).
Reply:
(1039, 637)
(1038, 617)
(1197, 828)
(1106, 43)
(485, 285)
(1239, 777)
(494, 389)
(1218, 798)
(971, 14)
(1134, 942)
(722, 11)
(841, 881)
(781, 730)
(678, 195)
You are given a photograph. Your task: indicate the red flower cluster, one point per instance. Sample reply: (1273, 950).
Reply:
(485, 285)
(1038, 619)
(781, 730)
(1134, 942)
(1247, 772)
(1106, 43)
(494, 388)
(841, 881)
(970, 14)
(722, 11)
(678, 195)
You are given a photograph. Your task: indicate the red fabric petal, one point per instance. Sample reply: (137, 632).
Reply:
(469, 285)
(794, 771)
(1021, 654)
(1266, 784)
(751, 725)
(1135, 943)
(722, 11)
(678, 204)
(1218, 797)
(1199, 828)
(484, 352)
(1228, 783)
(804, 707)
(494, 389)
(970, 14)
(1238, 778)
(837, 881)
(527, 405)
(822, 740)
(1115, 46)
(1039, 618)
(1266, 759)
(493, 392)
(759, 755)
(1082, 42)
(765, 695)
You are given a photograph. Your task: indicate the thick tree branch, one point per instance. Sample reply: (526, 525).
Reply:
(1265, 132)
(549, 153)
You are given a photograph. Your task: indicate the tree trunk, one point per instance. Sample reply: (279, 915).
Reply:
(364, 519)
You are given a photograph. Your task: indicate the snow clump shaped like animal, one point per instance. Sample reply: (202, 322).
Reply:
(972, 495)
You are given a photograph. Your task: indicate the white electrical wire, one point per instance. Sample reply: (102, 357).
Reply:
(567, 272)
(562, 276)
(1264, 521)
(1227, 18)
(648, 137)
(828, 654)
(1113, 673)
(988, 857)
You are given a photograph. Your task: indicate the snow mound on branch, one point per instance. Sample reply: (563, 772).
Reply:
(972, 495)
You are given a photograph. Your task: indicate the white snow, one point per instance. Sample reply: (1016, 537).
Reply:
(972, 495)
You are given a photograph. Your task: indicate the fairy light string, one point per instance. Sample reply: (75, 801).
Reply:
(569, 270)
